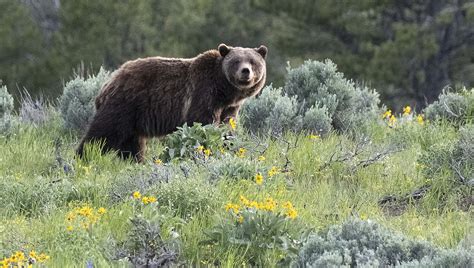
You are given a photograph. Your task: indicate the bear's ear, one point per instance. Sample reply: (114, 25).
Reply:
(223, 50)
(262, 50)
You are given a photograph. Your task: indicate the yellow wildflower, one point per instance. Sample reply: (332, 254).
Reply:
(244, 201)
(200, 148)
(254, 204)
(419, 119)
(101, 210)
(287, 205)
(33, 254)
(387, 114)
(406, 110)
(158, 161)
(273, 171)
(270, 204)
(292, 213)
(145, 200)
(228, 206)
(85, 211)
(137, 195)
(5, 262)
(234, 207)
(392, 121)
(207, 152)
(151, 199)
(313, 137)
(259, 179)
(71, 216)
(232, 123)
(240, 219)
(261, 158)
(69, 228)
(42, 258)
(241, 152)
(20, 256)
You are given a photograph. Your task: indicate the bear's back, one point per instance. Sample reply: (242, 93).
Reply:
(143, 75)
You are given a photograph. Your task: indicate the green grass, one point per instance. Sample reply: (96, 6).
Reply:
(36, 194)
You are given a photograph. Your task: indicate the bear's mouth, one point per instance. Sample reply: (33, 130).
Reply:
(244, 82)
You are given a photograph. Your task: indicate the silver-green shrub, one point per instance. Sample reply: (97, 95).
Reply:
(6, 102)
(366, 243)
(271, 113)
(232, 168)
(317, 120)
(455, 157)
(33, 111)
(456, 108)
(316, 98)
(6, 108)
(77, 102)
(319, 84)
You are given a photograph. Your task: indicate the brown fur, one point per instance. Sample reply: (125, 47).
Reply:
(151, 97)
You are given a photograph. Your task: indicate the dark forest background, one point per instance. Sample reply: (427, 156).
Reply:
(409, 50)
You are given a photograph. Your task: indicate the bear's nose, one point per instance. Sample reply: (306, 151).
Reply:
(245, 71)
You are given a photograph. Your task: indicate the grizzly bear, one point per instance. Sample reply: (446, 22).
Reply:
(151, 97)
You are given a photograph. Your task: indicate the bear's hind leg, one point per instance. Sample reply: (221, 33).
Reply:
(134, 147)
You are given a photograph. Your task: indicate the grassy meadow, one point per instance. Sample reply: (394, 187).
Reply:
(103, 211)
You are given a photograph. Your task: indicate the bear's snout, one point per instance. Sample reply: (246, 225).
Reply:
(245, 73)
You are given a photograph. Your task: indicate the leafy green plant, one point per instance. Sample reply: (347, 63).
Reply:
(196, 140)
(366, 243)
(457, 108)
(77, 102)
(257, 227)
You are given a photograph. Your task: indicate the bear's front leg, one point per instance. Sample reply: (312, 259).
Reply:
(228, 113)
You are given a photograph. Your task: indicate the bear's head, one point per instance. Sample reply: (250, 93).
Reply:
(244, 68)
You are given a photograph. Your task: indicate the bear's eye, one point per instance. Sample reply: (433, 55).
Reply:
(237, 61)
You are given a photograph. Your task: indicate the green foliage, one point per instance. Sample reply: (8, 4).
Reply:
(366, 243)
(141, 179)
(186, 141)
(40, 195)
(258, 231)
(232, 168)
(327, 179)
(457, 108)
(77, 102)
(318, 84)
(186, 197)
(144, 246)
(455, 156)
